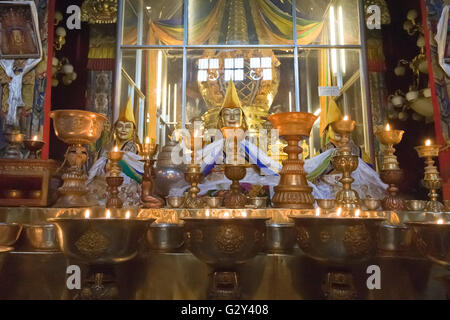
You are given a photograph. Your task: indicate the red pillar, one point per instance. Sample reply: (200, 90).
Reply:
(444, 156)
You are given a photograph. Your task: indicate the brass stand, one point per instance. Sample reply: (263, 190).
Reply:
(346, 163)
(390, 172)
(73, 192)
(114, 180)
(193, 176)
(432, 181)
(148, 199)
(339, 285)
(14, 139)
(224, 286)
(235, 198)
(293, 191)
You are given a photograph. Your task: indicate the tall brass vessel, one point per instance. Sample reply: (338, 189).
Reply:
(293, 190)
(76, 128)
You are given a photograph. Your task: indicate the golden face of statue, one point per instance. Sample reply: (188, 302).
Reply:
(17, 37)
(231, 117)
(124, 131)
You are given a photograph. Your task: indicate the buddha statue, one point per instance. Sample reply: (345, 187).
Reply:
(126, 139)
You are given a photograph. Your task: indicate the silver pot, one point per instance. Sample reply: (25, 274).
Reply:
(9, 233)
(165, 237)
(280, 238)
(167, 174)
(40, 237)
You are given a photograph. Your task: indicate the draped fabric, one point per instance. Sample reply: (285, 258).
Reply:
(272, 22)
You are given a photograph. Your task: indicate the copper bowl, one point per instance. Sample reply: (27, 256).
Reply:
(293, 123)
(391, 137)
(77, 126)
(9, 233)
(433, 240)
(338, 241)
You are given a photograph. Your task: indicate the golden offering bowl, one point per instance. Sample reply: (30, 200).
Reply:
(77, 126)
(343, 126)
(33, 146)
(428, 151)
(293, 123)
(391, 137)
(115, 156)
(9, 233)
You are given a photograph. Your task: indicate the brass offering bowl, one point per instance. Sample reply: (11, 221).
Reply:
(175, 202)
(213, 202)
(326, 204)
(33, 146)
(337, 240)
(100, 241)
(371, 204)
(293, 191)
(415, 205)
(433, 240)
(258, 202)
(390, 137)
(9, 233)
(225, 242)
(165, 237)
(395, 239)
(40, 237)
(280, 238)
(13, 194)
(76, 128)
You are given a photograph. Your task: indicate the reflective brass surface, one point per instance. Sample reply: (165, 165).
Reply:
(193, 176)
(280, 238)
(40, 237)
(225, 243)
(165, 237)
(3, 254)
(293, 190)
(214, 202)
(415, 205)
(175, 202)
(395, 238)
(392, 177)
(235, 197)
(371, 204)
(14, 139)
(338, 241)
(9, 233)
(258, 202)
(100, 241)
(433, 240)
(389, 139)
(13, 194)
(326, 204)
(76, 128)
(33, 146)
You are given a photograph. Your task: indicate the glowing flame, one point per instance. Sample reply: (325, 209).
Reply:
(440, 221)
(87, 214)
(388, 127)
(108, 214)
(35, 138)
(357, 213)
(207, 213)
(115, 149)
(244, 214)
(317, 212)
(147, 140)
(428, 143)
(226, 214)
(127, 214)
(346, 118)
(339, 212)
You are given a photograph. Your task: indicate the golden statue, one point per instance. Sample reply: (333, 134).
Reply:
(126, 139)
(231, 113)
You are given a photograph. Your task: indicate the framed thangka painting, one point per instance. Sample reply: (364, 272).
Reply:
(19, 31)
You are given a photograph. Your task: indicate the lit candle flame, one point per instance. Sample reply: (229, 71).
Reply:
(127, 214)
(244, 214)
(357, 213)
(108, 214)
(147, 140)
(346, 118)
(440, 221)
(115, 149)
(338, 212)
(87, 214)
(428, 143)
(388, 127)
(35, 138)
(207, 213)
(317, 212)
(226, 214)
